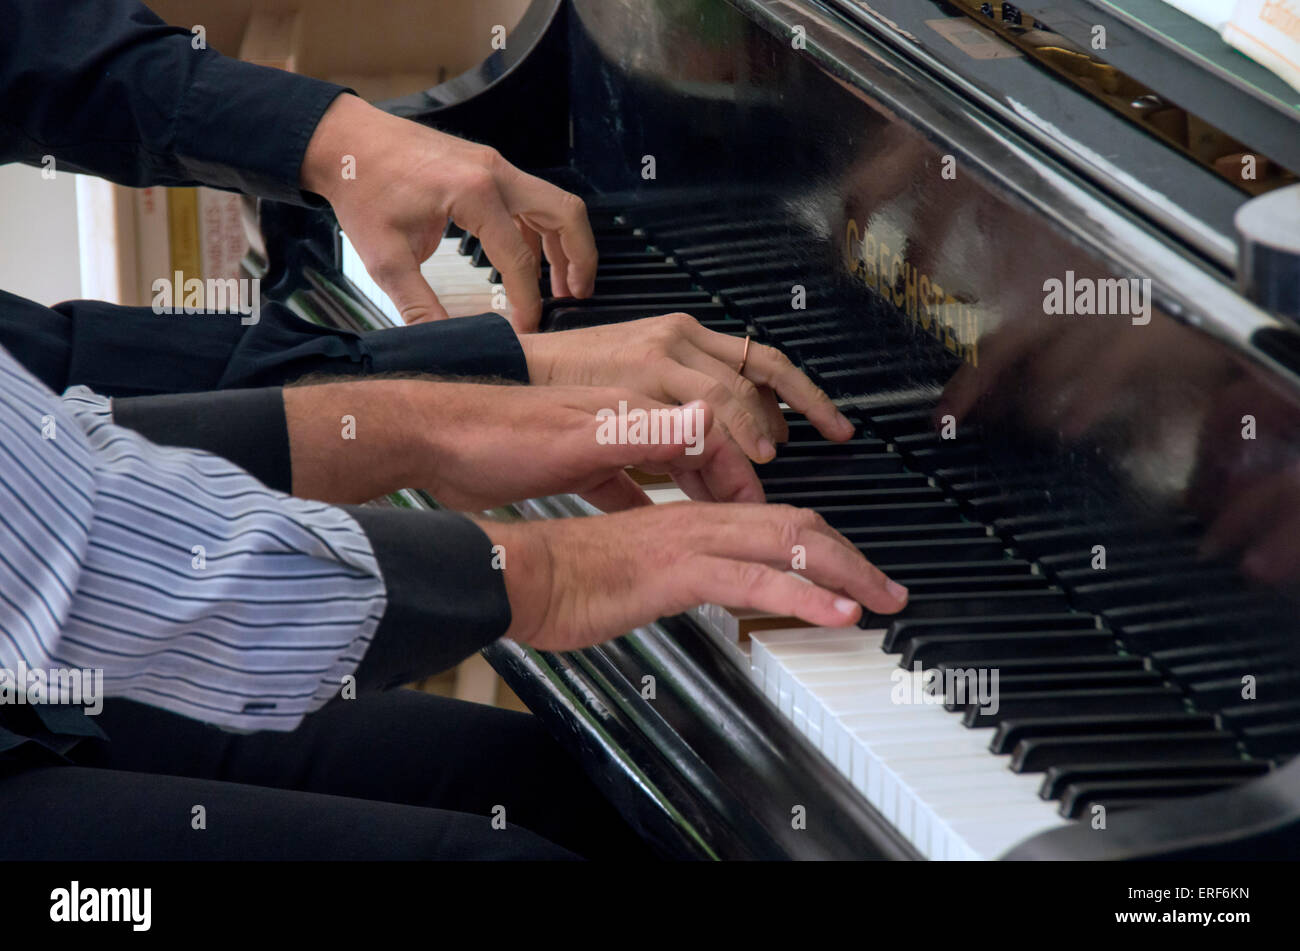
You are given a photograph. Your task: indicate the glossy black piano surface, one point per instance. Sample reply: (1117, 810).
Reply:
(917, 200)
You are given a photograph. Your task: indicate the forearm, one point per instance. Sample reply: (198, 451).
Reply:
(356, 441)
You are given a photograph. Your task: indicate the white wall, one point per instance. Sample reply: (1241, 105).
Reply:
(38, 235)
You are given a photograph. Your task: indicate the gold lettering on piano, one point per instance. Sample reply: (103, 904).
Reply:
(952, 322)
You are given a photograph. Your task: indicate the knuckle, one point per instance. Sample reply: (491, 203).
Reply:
(751, 577)
(479, 182)
(385, 271)
(573, 207)
(808, 519)
(745, 389)
(522, 258)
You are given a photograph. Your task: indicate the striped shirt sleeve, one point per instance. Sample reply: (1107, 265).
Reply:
(190, 584)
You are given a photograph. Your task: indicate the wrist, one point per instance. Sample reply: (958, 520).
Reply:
(528, 567)
(539, 356)
(333, 139)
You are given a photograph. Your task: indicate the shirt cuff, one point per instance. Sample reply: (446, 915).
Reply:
(445, 600)
(276, 109)
(247, 427)
(482, 346)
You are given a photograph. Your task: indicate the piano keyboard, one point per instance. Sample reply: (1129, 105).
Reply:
(1117, 688)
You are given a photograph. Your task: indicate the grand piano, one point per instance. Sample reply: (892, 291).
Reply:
(1056, 287)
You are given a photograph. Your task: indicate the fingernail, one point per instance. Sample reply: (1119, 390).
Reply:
(845, 606)
(766, 451)
(898, 592)
(844, 422)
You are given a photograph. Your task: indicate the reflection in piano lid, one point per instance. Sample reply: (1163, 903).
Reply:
(1097, 516)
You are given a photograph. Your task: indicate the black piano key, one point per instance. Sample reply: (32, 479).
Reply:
(987, 508)
(712, 316)
(1118, 557)
(702, 252)
(1075, 679)
(640, 284)
(1078, 799)
(468, 243)
(615, 242)
(625, 266)
(1272, 740)
(839, 483)
(1191, 659)
(1136, 572)
(1183, 623)
(967, 604)
(892, 424)
(452, 230)
(853, 498)
(1040, 753)
(478, 257)
(1065, 703)
(859, 445)
(1040, 535)
(1058, 778)
(1010, 733)
(959, 583)
(1227, 691)
(885, 553)
(901, 631)
(790, 466)
(1104, 592)
(1071, 665)
(848, 517)
(942, 532)
(1261, 713)
(1003, 568)
(723, 225)
(651, 303)
(931, 649)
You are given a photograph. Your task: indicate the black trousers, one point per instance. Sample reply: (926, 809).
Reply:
(394, 775)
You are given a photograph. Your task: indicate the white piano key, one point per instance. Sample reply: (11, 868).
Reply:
(915, 762)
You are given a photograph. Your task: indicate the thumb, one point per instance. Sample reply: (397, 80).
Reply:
(398, 275)
(617, 494)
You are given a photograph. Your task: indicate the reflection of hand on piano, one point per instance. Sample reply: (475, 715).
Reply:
(394, 184)
(573, 583)
(674, 359)
(1246, 485)
(1067, 373)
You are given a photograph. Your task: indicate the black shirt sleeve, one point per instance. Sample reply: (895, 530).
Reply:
(248, 427)
(106, 87)
(445, 600)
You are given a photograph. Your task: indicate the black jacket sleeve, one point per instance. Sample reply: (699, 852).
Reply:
(106, 87)
(131, 351)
